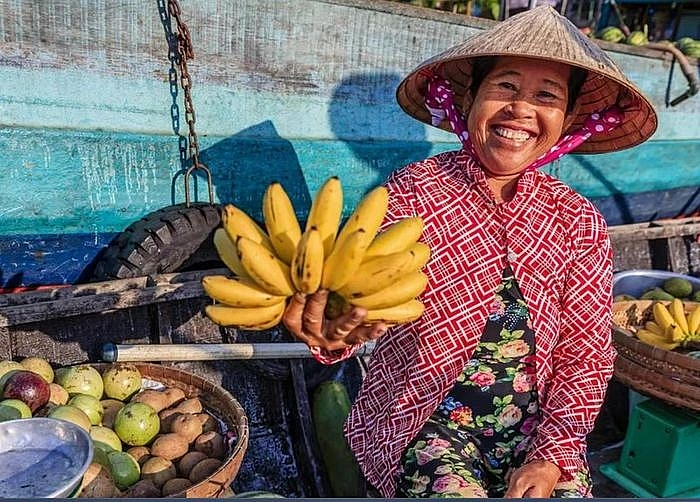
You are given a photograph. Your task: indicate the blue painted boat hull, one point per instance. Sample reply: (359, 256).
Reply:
(91, 131)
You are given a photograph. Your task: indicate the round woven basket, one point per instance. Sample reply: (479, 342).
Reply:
(670, 375)
(217, 401)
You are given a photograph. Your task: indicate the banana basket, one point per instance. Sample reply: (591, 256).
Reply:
(670, 375)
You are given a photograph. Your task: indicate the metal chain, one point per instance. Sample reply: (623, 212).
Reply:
(185, 52)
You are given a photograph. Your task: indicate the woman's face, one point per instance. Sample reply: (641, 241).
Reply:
(518, 113)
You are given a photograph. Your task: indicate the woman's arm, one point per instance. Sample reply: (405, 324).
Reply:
(582, 361)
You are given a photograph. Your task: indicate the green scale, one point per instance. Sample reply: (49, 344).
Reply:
(661, 453)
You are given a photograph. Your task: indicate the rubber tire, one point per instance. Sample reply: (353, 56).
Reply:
(179, 239)
(172, 239)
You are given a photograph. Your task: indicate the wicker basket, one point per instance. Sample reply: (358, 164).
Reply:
(672, 376)
(219, 403)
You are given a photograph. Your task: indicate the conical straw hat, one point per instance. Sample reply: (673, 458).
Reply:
(541, 33)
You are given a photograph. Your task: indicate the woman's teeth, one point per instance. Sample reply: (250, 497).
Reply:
(511, 134)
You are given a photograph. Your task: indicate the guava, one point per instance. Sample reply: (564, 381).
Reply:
(121, 381)
(6, 369)
(11, 409)
(80, 379)
(71, 414)
(105, 438)
(39, 366)
(8, 365)
(124, 469)
(136, 424)
(90, 405)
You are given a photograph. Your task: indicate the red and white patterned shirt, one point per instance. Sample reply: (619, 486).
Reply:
(557, 244)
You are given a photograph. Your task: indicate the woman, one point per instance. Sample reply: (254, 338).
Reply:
(493, 390)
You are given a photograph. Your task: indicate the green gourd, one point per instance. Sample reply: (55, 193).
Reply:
(330, 408)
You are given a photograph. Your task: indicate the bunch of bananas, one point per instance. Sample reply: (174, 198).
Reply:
(358, 264)
(671, 326)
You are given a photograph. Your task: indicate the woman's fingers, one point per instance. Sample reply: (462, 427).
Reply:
(340, 327)
(313, 315)
(305, 318)
(293, 314)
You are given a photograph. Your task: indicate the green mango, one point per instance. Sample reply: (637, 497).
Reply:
(656, 294)
(678, 287)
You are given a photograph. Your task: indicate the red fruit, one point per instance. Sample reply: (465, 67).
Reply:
(28, 387)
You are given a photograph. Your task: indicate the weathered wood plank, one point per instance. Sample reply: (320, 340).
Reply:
(71, 340)
(62, 292)
(660, 245)
(34, 306)
(658, 229)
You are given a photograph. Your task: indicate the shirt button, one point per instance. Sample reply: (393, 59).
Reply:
(512, 256)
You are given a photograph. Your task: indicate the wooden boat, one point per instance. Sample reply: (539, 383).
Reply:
(93, 127)
(159, 318)
(94, 120)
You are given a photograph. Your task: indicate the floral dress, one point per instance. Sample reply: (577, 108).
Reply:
(484, 426)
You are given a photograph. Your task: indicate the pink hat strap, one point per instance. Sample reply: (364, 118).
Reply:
(439, 100)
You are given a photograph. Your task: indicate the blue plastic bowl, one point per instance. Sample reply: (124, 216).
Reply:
(637, 282)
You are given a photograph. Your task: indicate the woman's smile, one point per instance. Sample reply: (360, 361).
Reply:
(517, 136)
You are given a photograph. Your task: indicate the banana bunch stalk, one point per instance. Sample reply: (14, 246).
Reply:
(361, 266)
(672, 326)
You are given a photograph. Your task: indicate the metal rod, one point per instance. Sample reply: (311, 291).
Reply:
(210, 351)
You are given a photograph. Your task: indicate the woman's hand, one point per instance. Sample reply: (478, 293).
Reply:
(535, 479)
(305, 319)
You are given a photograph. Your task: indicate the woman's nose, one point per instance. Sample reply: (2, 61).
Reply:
(519, 108)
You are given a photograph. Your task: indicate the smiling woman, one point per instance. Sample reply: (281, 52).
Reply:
(511, 358)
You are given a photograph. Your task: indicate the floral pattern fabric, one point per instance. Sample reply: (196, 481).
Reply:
(483, 428)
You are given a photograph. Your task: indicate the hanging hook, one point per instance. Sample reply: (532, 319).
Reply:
(210, 186)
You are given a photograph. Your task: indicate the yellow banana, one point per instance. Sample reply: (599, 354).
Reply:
(263, 267)
(654, 327)
(398, 314)
(368, 215)
(238, 224)
(662, 316)
(379, 273)
(227, 252)
(237, 292)
(674, 333)
(678, 312)
(694, 323)
(653, 339)
(326, 211)
(307, 263)
(252, 318)
(344, 259)
(420, 252)
(406, 287)
(281, 221)
(397, 237)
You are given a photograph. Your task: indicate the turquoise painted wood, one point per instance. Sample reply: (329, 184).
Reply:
(293, 92)
(114, 179)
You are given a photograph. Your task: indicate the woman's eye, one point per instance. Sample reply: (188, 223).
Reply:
(507, 85)
(550, 96)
